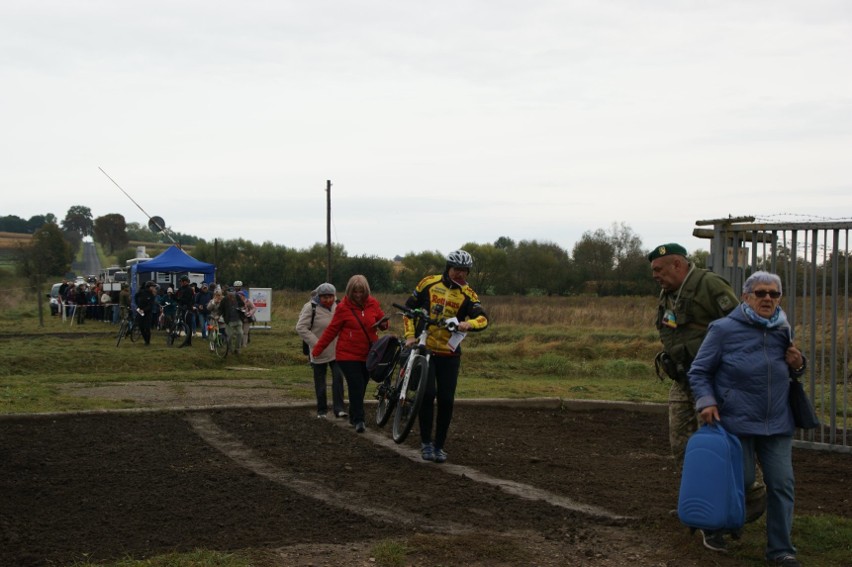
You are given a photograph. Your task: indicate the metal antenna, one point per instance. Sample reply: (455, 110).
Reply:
(150, 218)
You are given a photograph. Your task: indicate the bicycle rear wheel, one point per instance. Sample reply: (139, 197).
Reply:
(122, 332)
(387, 395)
(135, 333)
(221, 344)
(409, 407)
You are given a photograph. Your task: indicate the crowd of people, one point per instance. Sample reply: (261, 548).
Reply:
(156, 307)
(199, 306)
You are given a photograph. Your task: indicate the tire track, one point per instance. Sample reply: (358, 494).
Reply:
(352, 502)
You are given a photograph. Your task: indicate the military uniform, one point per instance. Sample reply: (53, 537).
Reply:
(682, 319)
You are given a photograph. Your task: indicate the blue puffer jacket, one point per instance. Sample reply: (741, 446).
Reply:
(740, 368)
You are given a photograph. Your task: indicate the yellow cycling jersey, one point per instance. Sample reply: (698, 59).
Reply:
(445, 299)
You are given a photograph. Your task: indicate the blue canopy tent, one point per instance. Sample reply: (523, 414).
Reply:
(174, 262)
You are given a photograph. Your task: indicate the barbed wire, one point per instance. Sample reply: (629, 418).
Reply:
(800, 217)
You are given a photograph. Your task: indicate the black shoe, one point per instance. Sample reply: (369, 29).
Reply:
(360, 427)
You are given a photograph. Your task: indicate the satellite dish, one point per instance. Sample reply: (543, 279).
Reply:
(156, 224)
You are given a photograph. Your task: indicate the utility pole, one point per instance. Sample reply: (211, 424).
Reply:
(328, 229)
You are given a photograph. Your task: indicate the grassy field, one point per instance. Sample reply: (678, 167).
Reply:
(582, 348)
(571, 348)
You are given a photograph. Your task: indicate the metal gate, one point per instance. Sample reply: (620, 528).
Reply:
(813, 261)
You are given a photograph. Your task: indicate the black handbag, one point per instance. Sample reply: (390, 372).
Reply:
(803, 410)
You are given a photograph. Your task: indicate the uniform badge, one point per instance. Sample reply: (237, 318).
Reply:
(669, 319)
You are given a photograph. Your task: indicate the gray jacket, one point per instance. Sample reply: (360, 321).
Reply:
(311, 334)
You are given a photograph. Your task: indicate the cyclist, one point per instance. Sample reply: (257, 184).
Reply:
(443, 295)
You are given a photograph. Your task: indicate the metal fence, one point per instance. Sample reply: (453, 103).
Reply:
(813, 261)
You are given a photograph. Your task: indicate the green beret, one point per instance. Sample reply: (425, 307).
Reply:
(667, 250)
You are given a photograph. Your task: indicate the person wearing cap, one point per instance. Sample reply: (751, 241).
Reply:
(314, 317)
(238, 286)
(690, 299)
(202, 298)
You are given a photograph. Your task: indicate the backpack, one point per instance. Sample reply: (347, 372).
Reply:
(382, 357)
(306, 350)
(712, 495)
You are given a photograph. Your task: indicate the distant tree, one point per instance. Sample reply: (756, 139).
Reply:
(504, 243)
(539, 268)
(79, 220)
(111, 232)
(378, 271)
(14, 223)
(631, 273)
(489, 264)
(37, 221)
(47, 254)
(699, 258)
(594, 258)
(417, 266)
(141, 233)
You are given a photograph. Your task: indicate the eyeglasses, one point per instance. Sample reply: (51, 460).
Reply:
(761, 293)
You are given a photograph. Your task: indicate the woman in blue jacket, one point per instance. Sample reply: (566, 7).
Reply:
(740, 378)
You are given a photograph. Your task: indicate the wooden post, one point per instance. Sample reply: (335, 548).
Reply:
(328, 229)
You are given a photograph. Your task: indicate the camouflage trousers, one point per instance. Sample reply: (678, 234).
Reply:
(683, 422)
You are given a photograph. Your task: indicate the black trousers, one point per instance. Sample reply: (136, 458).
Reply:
(443, 378)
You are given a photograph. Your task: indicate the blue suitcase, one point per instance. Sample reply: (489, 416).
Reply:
(712, 495)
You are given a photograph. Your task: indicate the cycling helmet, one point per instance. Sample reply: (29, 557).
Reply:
(238, 283)
(459, 259)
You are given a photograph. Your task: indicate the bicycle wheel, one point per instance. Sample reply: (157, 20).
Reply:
(221, 344)
(409, 406)
(122, 332)
(387, 395)
(135, 333)
(181, 333)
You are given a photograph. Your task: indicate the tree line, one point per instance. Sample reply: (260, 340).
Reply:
(602, 262)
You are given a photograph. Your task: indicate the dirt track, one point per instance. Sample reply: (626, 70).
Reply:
(524, 486)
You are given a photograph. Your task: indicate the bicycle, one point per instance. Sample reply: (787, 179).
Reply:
(178, 329)
(128, 327)
(218, 337)
(408, 390)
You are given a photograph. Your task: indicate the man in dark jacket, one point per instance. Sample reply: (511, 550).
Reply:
(146, 300)
(185, 298)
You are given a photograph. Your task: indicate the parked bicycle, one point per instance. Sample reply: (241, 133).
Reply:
(403, 390)
(178, 330)
(218, 337)
(127, 327)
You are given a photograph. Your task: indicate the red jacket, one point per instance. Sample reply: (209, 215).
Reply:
(348, 325)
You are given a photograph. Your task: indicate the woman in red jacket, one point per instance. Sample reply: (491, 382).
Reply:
(354, 324)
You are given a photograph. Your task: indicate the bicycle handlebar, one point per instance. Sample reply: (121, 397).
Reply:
(422, 314)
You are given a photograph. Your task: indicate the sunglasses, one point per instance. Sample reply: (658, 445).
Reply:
(761, 293)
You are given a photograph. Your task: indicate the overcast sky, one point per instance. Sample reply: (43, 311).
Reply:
(438, 123)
